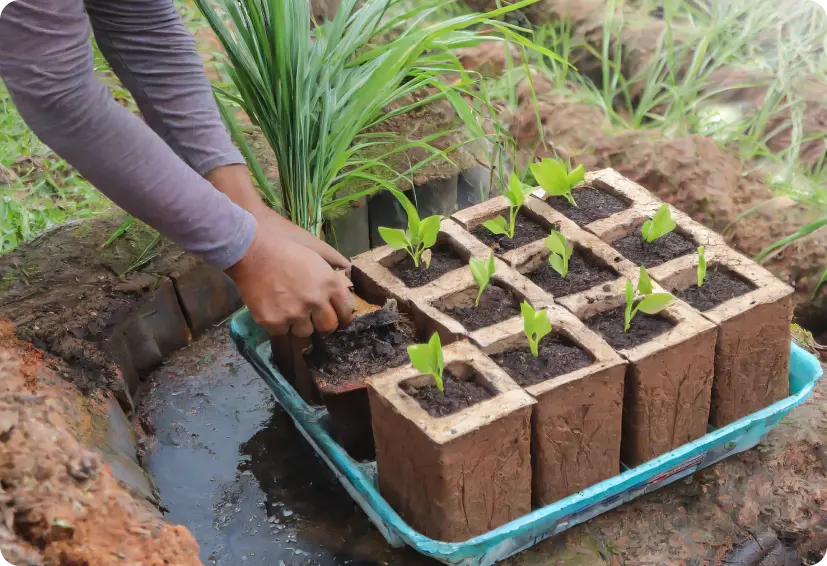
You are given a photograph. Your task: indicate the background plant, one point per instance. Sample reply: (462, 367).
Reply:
(428, 359)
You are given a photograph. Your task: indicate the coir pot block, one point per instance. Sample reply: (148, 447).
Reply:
(576, 423)
(752, 310)
(669, 378)
(456, 476)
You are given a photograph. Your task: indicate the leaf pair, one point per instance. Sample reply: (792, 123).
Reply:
(556, 179)
(428, 359)
(420, 235)
(561, 252)
(660, 225)
(650, 302)
(535, 325)
(516, 197)
(483, 271)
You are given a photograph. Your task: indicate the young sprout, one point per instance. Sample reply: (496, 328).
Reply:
(420, 235)
(535, 325)
(650, 303)
(483, 271)
(556, 178)
(660, 225)
(516, 197)
(427, 358)
(561, 252)
(701, 266)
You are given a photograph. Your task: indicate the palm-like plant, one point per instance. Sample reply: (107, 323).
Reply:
(314, 93)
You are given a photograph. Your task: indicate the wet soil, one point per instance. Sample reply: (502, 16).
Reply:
(444, 258)
(232, 468)
(719, 287)
(372, 343)
(644, 327)
(592, 205)
(557, 356)
(459, 394)
(496, 305)
(660, 251)
(526, 230)
(584, 273)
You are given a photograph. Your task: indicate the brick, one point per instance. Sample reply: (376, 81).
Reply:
(461, 475)
(576, 423)
(207, 296)
(753, 347)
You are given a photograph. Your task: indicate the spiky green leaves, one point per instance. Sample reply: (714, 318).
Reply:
(427, 358)
(556, 179)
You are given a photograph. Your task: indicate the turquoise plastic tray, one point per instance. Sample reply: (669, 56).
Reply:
(359, 479)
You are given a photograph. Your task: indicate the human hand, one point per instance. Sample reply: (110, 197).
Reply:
(289, 287)
(235, 182)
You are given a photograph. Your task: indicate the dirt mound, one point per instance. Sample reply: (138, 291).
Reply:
(59, 503)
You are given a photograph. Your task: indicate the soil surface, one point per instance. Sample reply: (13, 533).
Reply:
(558, 356)
(370, 344)
(496, 305)
(443, 259)
(644, 327)
(459, 394)
(584, 273)
(592, 204)
(526, 230)
(660, 251)
(719, 287)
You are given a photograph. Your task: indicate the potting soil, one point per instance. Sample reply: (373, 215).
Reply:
(644, 327)
(458, 394)
(526, 230)
(443, 259)
(584, 273)
(557, 356)
(592, 204)
(660, 251)
(496, 305)
(720, 286)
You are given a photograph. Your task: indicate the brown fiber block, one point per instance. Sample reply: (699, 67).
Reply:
(668, 381)
(753, 350)
(374, 281)
(458, 476)
(576, 423)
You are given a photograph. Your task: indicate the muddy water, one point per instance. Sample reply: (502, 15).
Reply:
(230, 466)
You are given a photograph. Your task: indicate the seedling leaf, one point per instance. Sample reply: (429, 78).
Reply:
(429, 230)
(498, 225)
(577, 176)
(660, 225)
(553, 177)
(536, 325)
(655, 303)
(428, 359)
(630, 302)
(394, 238)
(701, 266)
(644, 285)
(483, 271)
(558, 264)
(556, 242)
(561, 252)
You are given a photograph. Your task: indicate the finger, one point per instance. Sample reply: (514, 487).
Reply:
(332, 257)
(302, 328)
(344, 305)
(325, 319)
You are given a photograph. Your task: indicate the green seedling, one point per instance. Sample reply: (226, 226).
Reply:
(516, 197)
(561, 252)
(660, 225)
(427, 358)
(649, 302)
(483, 271)
(556, 178)
(420, 236)
(535, 325)
(701, 266)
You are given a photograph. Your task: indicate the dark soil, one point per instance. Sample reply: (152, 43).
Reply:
(584, 273)
(527, 230)
(496, 305)
(370, 344)
(592, 204)
(660, 251)
(719, 287)
(558, 356)
(459, 394)
(443, 259)
(609, 325)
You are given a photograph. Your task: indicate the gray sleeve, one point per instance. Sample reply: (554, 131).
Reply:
(154, 56)
(46, 63)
